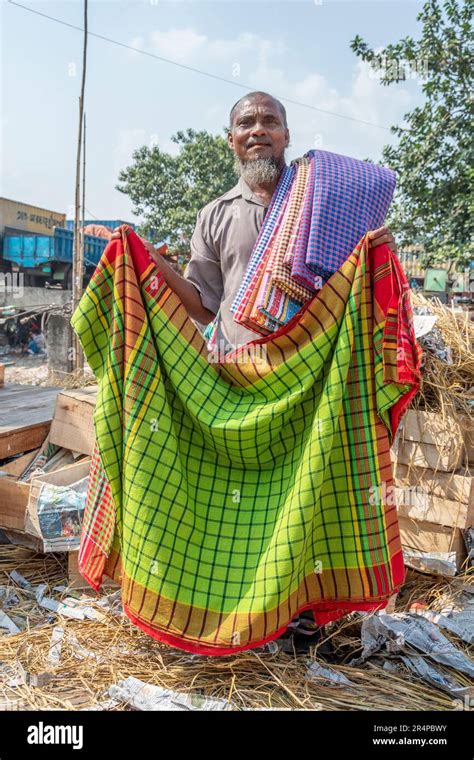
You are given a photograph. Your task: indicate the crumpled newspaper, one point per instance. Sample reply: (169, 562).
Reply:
(146, 696)
(428, 336)
(404, 631)
(316, 671)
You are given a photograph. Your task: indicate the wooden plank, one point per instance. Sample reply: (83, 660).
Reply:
(20, 538)
(14, 494)
(428, 439)
(445, 485)
(27, 412)
(73, 423)
(2, 375)
(424, 506)
(468, 433)
(433, 428)
(18, 465)
(23, 439)
(429, 456)
(13, 501)
(87, 394)
(23, 405)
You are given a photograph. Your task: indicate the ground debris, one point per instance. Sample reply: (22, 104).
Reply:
(58, 662)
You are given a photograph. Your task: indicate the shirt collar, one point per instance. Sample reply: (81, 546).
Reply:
(242, 190)
(248, 194)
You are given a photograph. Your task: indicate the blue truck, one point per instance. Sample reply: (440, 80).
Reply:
(110, 223)
(48, 258)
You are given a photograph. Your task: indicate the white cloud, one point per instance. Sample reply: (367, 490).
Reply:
(261, 63)
(127, 141)
(180, 45)
(137, 43)
(367, 100)
(188, 46)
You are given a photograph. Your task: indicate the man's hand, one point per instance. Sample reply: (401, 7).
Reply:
(382, 235)
(152, 251)
(116, 234)
(185, 290)
(149, 246)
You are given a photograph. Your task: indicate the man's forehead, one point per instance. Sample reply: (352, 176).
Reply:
(254, 105)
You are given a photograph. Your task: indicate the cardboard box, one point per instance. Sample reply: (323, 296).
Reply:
(427, 537)
(19, 500)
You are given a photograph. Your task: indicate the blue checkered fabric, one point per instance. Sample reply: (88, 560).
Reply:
(266, 231)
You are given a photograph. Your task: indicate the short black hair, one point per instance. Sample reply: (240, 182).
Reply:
(254, 94)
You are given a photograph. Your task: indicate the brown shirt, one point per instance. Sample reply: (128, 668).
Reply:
(222, 242)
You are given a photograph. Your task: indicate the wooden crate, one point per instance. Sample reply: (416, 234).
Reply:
(468, 434)
(65, 476)
(436, 497)
(73, 422)
(425, 507)
(18, 500)
(13, 493)
(27, 412)
(429, 440)
(457, 486)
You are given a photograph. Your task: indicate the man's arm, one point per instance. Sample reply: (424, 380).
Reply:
(185, 290)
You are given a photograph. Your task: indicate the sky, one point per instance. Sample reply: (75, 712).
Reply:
(299, 50)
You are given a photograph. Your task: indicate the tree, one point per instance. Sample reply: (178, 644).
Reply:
(167, 191)
(433, 157)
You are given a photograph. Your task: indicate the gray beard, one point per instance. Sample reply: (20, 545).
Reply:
(259, 171)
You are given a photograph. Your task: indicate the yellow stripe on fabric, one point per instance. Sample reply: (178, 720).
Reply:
(147, 272)
(98, 304)
(144, 406)
(367, 343)
(347, 462)
(144, 403)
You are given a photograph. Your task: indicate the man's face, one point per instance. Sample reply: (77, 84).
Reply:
(258, 130)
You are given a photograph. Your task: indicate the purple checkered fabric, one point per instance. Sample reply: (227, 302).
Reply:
(344, 198)
(350, 197)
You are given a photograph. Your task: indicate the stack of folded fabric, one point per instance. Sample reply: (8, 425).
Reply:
(323, 205)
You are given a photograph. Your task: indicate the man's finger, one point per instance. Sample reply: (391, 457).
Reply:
(375, 233)
(116, 233)
(381, 239)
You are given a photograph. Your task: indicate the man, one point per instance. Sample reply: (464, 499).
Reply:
(227, 227)
(222, 243)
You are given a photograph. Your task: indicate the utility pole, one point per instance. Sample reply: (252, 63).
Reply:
(83, 210)
(78, 252)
